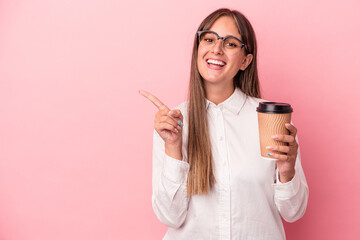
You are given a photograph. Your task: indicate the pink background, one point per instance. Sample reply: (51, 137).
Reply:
(76, 137)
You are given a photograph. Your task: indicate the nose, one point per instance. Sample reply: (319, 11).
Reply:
(218, 48)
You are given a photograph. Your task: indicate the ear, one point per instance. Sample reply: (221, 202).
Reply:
(246, 62)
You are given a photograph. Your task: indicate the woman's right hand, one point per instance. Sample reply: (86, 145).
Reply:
(167, 122)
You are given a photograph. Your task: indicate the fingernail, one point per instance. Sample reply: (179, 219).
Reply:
(287, 124)
(269, 147)
(268, 154)
(275, 136)
(180, 123)
(178, 127)
(170, 112)
(176, 130)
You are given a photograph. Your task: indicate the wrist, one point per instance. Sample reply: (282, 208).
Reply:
(286, 176)
(174, 151)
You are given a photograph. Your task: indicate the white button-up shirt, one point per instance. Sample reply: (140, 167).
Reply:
(247, 200)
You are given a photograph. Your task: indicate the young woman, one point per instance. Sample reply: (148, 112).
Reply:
(209, 180)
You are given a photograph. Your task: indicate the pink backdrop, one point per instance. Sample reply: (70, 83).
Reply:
(76, 137)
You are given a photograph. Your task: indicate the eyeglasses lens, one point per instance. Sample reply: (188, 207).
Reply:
(230, 45)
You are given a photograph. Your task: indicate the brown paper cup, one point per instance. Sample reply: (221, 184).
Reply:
(272, 123)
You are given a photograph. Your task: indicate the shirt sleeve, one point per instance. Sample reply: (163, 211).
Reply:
(291, 197)
(169, 179)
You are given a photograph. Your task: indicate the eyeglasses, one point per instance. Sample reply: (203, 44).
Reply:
(230, 44)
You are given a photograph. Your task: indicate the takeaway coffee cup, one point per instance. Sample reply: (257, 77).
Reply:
(272, 117)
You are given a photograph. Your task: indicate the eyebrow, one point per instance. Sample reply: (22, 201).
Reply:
(227, 35)
(233, 36)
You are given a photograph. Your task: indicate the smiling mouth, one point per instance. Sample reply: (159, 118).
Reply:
(215, 62)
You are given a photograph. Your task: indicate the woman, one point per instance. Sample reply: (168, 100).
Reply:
(209, 181)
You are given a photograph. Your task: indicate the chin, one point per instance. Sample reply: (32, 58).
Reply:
(212, 79)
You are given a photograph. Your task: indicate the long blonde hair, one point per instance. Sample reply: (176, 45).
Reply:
(201, 177)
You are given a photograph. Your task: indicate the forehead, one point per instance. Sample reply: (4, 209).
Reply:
(225, 26)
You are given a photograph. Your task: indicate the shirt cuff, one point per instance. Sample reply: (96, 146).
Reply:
(175, 170)
(288, 189)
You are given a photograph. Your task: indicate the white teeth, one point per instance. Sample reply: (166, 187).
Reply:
(215, 62)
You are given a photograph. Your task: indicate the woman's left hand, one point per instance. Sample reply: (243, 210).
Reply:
(286, 155)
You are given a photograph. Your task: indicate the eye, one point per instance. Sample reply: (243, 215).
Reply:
(208, 38)
(231, 45)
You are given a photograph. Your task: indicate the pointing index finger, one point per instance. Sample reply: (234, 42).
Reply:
(160, 105)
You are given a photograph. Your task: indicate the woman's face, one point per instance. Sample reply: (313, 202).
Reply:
(215, 73)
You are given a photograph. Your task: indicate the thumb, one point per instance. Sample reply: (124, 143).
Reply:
(175, 113)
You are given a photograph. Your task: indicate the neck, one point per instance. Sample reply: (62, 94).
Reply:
(218, 94)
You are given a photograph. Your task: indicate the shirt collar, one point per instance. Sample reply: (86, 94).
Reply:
(234, 103)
